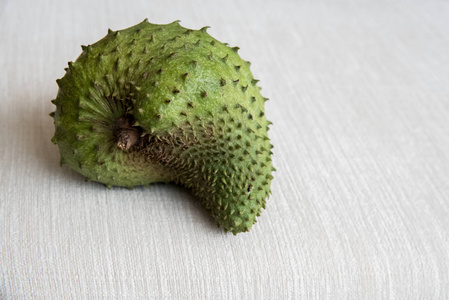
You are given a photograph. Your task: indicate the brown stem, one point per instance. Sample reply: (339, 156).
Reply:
(126, 134)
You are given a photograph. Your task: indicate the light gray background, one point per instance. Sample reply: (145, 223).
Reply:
(360, 207)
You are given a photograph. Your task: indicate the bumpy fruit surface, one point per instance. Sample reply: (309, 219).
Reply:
(162, 103)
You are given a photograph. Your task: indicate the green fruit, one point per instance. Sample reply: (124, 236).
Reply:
(162, 103)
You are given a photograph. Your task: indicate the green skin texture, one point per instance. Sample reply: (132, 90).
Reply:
(196, 107)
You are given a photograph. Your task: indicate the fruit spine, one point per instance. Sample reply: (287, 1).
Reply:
(162, 103)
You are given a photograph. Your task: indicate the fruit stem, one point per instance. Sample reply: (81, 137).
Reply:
(126, 134)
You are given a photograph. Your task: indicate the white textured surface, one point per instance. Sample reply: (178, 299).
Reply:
(360, 207)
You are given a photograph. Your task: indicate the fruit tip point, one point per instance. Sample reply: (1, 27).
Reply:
(204, 29)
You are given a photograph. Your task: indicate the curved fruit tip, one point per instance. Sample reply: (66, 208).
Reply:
(204, 29)
(225, 58)
(86, 49)
(254, 81)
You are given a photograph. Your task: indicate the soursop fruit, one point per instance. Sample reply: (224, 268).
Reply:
(163, 103)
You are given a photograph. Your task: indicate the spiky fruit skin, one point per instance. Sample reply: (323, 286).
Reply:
(190, 109)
